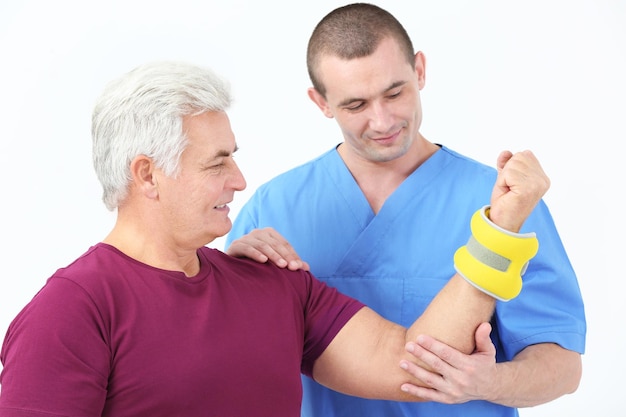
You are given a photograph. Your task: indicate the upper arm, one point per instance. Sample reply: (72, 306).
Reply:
(364, 358)
(55, 358)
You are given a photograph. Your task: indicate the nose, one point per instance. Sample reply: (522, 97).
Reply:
(380, 118)
(237, 181)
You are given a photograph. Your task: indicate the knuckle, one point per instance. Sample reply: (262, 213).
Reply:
(437, 366)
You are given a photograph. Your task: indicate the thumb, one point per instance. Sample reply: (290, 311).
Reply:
(503, 158)
(483, 341)
(500, 187)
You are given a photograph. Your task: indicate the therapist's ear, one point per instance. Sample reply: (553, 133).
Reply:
(321, 102)
(420, 69)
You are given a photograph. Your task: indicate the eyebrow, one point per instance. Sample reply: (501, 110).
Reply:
(391, 87)
(225, 153)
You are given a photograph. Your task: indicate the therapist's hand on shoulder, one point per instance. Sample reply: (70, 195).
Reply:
(267, 244)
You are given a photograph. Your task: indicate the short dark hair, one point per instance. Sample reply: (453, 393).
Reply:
(353, 31)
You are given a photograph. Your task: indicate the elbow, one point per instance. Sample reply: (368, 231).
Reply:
(570, 374)
(575, 375)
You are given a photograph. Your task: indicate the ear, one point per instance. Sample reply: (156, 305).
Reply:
(321, 102)
(420, 69)
(143, 176)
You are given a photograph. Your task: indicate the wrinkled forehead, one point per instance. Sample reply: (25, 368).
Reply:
(210, 132)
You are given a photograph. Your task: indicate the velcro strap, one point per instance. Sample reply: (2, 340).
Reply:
(486, 256)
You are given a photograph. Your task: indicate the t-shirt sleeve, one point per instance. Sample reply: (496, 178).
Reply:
(326, 312)
(55, 358)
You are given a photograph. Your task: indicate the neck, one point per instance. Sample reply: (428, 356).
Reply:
(378, 180)
(151, 249)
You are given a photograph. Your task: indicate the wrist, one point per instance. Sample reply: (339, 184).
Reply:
(494, 259)
(506, 222)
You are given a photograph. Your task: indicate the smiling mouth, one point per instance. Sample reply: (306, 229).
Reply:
(388, 138)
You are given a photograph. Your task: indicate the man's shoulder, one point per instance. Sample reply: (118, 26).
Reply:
(303, 174)
(465, 160)
(462, 170)
(97, 259)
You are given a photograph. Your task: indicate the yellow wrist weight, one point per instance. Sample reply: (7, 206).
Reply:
(494, 259)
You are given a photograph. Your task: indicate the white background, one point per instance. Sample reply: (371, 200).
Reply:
(544, 75)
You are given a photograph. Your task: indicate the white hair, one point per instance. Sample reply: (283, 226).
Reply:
(141, 114)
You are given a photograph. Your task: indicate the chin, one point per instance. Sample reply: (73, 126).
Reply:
(224, 230)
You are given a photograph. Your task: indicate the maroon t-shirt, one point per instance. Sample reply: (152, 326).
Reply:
(111, 336)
